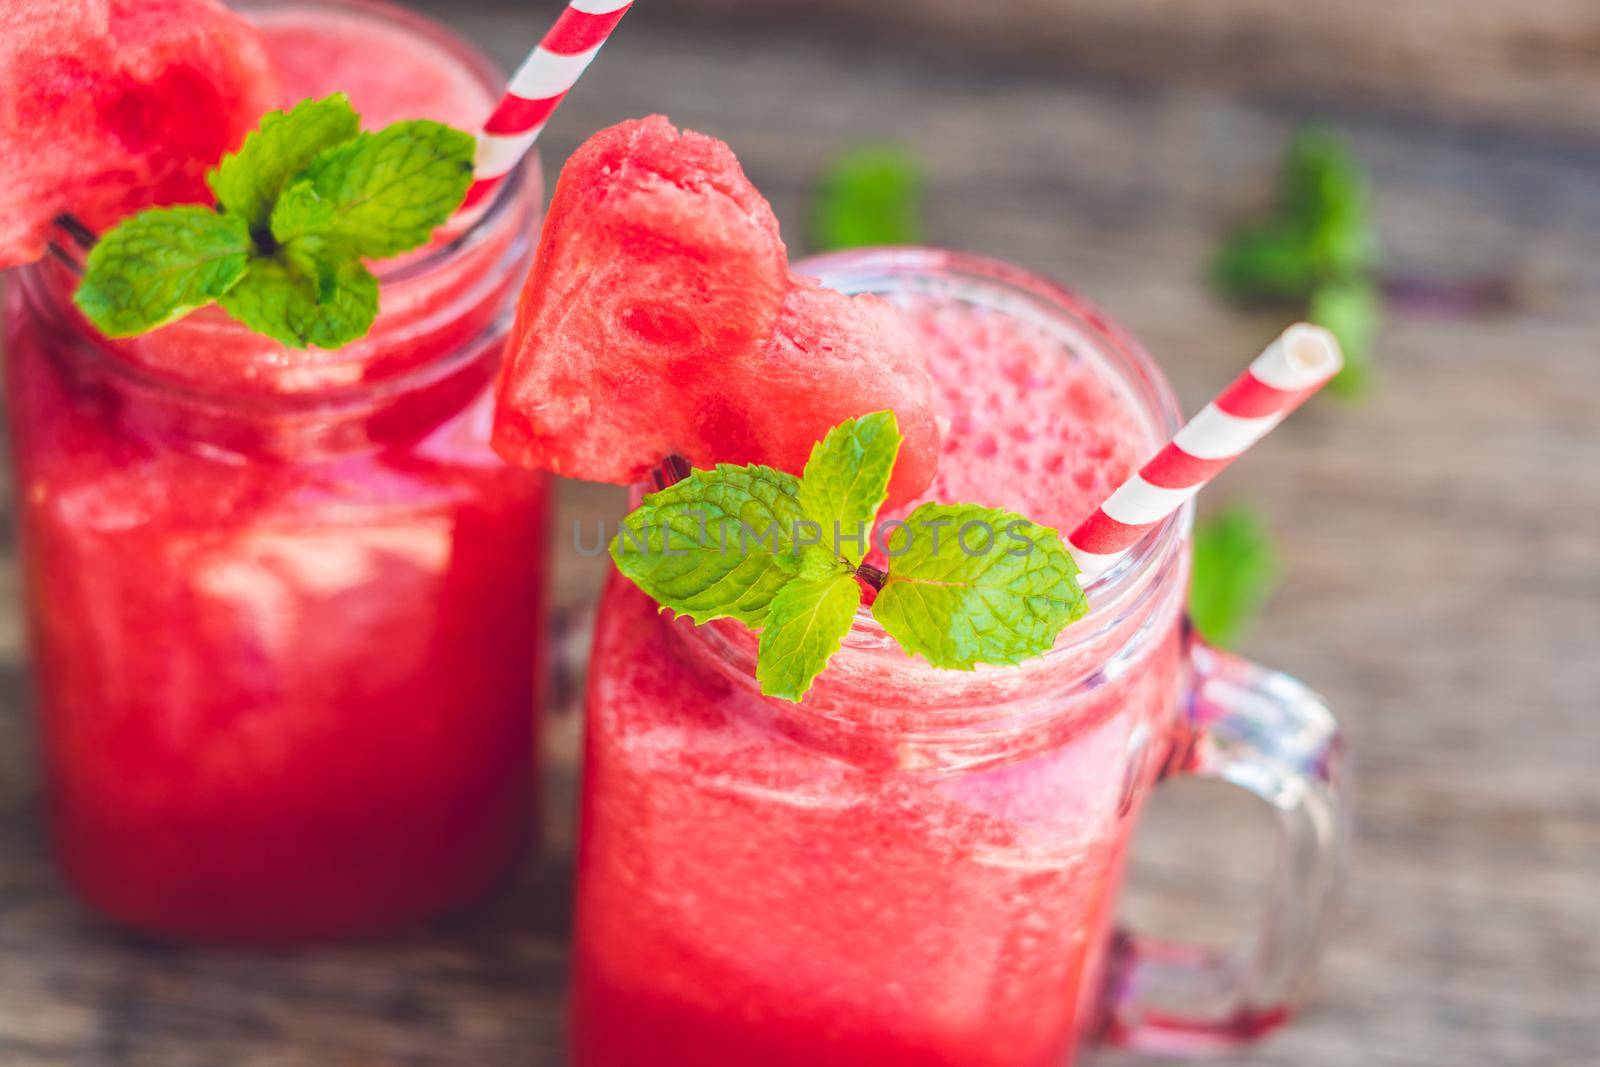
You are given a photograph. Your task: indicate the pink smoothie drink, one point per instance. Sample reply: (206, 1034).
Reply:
(912, 866)
(284, 605)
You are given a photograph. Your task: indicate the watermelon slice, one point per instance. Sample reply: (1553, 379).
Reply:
(109, 106)
(661, 318)
(833, 357)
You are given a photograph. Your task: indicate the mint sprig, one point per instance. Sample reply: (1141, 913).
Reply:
(1318, 248)
(1353, 312)
(1235, 571)
(870, 195)
(965, 584)
(304, 201)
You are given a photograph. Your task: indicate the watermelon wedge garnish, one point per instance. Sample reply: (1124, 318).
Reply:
(110, 106)
(661, 319)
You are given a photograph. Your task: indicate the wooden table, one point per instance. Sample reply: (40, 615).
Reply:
(1442, 545)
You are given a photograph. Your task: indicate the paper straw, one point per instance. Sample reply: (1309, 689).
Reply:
(1279, 380)
(538, 86)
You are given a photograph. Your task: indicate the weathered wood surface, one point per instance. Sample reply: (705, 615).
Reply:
(1533, 62)
(1443, 585)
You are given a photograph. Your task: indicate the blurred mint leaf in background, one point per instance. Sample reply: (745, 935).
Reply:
(1318, 246)
(870, 195)
(1353, 311)
(1235, 573)
(1270, 261)
(1326, 192)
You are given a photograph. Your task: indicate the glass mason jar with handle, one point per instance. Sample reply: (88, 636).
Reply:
(915, 866)
(284, 606)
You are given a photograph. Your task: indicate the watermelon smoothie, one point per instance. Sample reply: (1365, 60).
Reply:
(912, 866)
(284, 605)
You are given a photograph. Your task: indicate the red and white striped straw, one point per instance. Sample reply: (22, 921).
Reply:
(538, 87)
(1279, 380)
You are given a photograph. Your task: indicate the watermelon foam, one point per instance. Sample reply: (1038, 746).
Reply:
(661, 318)
(1030, 425)
(110, 106)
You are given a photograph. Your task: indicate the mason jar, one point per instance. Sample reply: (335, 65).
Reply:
(921, 866)
(284, 607)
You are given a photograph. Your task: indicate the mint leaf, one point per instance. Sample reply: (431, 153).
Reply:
(846, 480)
(248, 182)
(1320, 246)
(970, 585)
(869, 196)
(1235, 572)
(1325, 194)
(303, 201)
(300, 213)
(1353, 311)
(806, 623)
(966, 584)
(720, 543)
(158, 266)
(1320, 230)
(387, 192)
(302, 298)
(1273, 261)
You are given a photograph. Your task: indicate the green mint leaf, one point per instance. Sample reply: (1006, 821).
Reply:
(304, 298)
(159, 265)
(386, 192)
(300, 213)
(1273, 261)
(303, 201)
(869, 196)
(1353, 311)
(1325, 191)
(1321, 229)
(970, 585)
(966, 584)
(248, 182)
(720, 543)
(846, 480)
(1235, 572)
(806, 623)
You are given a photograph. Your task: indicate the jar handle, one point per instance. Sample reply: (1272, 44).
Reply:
(1270, 735)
